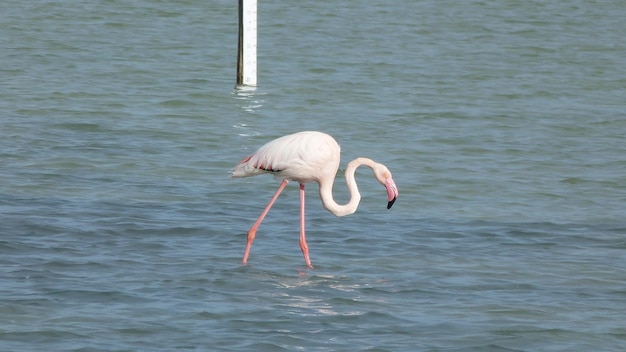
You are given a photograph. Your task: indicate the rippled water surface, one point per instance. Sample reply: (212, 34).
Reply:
(503, 124)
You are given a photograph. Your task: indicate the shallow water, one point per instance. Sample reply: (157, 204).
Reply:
(502, 123)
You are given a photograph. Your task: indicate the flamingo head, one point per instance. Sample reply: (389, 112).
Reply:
(383, 175)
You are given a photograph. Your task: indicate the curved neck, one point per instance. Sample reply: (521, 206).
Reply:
(326, 189)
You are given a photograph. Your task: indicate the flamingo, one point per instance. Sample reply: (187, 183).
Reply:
(305, 157)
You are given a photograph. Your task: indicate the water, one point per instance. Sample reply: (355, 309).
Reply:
(503, 124)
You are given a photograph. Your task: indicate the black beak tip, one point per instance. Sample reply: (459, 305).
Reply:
(391, 203)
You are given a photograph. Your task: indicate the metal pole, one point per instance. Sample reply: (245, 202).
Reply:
(246, 51)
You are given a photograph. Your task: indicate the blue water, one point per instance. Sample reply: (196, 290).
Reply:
(503, 124)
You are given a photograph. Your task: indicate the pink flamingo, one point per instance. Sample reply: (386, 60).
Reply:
(305, 157)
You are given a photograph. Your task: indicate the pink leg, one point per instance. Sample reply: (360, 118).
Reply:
(303, 246)
(254, 228)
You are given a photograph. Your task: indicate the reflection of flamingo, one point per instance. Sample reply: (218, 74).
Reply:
(306, 157)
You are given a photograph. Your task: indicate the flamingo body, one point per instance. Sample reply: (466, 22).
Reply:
(306, 157)
(303, 157)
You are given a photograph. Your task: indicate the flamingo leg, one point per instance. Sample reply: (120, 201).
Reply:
(255, 227)
(303, 245)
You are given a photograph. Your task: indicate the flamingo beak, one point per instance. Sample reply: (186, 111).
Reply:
(392, 191)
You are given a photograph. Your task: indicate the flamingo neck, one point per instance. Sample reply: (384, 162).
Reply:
(326, 189)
